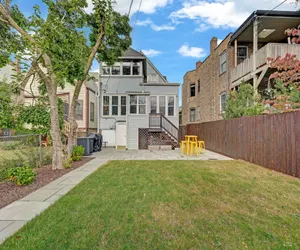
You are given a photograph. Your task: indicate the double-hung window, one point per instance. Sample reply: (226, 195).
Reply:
(171, 105)
(126, 65)
(223, 62)
(123, 105)
(137, 104)
(115, 105)
(79, 110)
(162, 105)
(92, 111)
(105, 105)
(193, 90)
(192, 114)
(116, 69)
(153, 104)
(223, 98)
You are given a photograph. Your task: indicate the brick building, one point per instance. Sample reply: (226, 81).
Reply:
(205, 87)
(240, 57)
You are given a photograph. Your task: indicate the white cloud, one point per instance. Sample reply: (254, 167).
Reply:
(223, 13)
(202, 28)
(187, 51)
(151, 52)
(219, 41)
(155, 27)
(148, 6)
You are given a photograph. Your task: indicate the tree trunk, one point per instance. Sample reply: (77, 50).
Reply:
(72, 135)
(73, 125)
(57, 158)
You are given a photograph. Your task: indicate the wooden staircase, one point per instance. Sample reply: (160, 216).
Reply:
(164, 129)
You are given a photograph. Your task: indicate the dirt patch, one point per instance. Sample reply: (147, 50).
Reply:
(10, 192)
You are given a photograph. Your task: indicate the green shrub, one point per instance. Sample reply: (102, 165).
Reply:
(21, 175)
(3, 173)
(68, 163)
(77, 153)
(12, 145)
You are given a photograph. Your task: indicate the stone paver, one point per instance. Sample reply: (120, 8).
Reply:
(15, 215)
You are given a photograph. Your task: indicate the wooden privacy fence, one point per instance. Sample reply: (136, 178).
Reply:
(272, 141)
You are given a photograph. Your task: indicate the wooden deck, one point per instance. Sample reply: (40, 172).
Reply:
(271, 50)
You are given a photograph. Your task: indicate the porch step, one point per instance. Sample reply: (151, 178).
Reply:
(155, 130)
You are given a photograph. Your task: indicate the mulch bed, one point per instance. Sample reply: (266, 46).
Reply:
(10, 192)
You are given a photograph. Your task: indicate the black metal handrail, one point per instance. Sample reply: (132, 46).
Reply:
(159, 121)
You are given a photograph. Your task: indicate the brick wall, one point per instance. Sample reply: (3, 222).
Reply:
(212, 84)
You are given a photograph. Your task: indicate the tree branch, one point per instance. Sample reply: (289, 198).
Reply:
(13, 24)
(40, 72)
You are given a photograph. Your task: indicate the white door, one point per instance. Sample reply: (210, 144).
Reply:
(121, 131)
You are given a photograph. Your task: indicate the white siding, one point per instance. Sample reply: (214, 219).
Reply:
(93, 99)
(135, 122)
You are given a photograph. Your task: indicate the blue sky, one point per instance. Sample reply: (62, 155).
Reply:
(176, 34)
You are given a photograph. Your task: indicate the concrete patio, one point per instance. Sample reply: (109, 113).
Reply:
(15, 215)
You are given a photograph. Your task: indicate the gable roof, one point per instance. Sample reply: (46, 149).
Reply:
(131, 53)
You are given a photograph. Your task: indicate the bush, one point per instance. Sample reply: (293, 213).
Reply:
(77, 153)
(68, 163)
(21, 175)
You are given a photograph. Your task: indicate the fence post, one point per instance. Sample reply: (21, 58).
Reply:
(41, 150)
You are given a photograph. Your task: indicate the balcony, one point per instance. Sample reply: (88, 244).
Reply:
(272, 50)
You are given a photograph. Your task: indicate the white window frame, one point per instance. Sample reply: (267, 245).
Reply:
(242, 46)
(223, 62)
(221, 106)
(123, 105)
(168, 99)
(138, 105)
(120, 64)
(109, 105)
(118, 105)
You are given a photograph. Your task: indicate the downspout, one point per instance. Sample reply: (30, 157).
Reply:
(100, 104)
(87, 110)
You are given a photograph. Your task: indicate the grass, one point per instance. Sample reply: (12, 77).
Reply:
(171, 205)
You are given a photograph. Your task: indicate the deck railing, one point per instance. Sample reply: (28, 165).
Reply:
(271, 50)
(159, 122)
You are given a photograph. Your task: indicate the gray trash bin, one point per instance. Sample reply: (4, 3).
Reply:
(87, 143)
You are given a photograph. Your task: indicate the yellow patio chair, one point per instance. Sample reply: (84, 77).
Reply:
(183, 146)
(201, 145)
(194, 149)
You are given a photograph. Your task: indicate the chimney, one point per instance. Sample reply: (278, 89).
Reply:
(198, 64)
(213, 44)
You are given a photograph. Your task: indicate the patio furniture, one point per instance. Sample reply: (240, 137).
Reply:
(189, 139)
(201, 145)
(183, 145)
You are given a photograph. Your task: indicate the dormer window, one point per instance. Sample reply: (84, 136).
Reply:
(116, 69)
(124, 68)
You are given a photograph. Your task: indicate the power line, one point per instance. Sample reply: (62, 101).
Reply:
(275, 7)
(130, 7)
(137, 15)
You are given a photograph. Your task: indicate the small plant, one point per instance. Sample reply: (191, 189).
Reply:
(68, 163)
(77, 153)
(21, 175)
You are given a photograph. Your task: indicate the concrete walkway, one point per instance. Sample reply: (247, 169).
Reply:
(15, 215)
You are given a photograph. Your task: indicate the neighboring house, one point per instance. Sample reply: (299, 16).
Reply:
(241, 56)
(87, 107)
(139, 107)
(6, 73)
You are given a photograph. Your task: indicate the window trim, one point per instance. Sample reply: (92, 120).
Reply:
(247, 52)
(122, 105)
(221, 107)
(112, 105)
(222, 63)
(120, 65)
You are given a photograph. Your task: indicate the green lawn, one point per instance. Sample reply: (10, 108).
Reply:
(171, 205)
